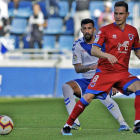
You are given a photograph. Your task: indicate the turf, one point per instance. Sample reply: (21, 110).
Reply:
(42, 119)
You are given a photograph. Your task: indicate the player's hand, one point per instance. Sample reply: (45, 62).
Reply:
(114, 91)
(92, 67)
(112, 59)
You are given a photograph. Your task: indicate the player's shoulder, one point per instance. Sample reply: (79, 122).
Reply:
(106, 27)
(132, 28)
(77, 43)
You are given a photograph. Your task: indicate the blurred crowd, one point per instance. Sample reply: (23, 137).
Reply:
(38, 19)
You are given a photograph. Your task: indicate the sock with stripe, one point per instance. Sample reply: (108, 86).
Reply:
(78, 109)
(69, 99)
(113, 108)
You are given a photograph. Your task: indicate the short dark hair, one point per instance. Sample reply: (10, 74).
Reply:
(86, 21)
(121, 3)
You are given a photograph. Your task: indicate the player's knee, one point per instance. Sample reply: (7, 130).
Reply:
(88, 97)
(66, 88)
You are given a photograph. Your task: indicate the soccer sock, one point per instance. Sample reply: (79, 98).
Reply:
(69, 99)
(78, 109)
(113, 108)
(137, 106)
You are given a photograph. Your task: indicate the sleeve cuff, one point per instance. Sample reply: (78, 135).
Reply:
(97, 45)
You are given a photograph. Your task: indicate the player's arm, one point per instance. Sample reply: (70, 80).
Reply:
(79, 68)
(96, 51)
(137, 53)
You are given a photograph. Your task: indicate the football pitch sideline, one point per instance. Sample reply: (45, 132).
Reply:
(42, 119)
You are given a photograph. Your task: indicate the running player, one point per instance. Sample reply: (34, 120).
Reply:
(118, 39)
(86, 64)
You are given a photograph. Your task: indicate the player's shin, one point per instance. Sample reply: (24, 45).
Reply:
(113, 108)
(137, 106)
(78, 109)
(69, 99)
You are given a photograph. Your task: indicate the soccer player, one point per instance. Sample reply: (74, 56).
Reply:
(86, 64)
(118, 39)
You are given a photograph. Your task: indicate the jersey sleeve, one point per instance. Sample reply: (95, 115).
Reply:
(100, 38)
(76, 54)
(136, 45)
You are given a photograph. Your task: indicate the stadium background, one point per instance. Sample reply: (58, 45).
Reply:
(38, 72)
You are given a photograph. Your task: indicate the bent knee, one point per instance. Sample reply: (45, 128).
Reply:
(88, 97)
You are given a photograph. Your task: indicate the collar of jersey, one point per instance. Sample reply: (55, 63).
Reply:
(115, 24)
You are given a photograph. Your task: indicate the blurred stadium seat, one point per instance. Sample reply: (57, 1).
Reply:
(65, 42)
(63, 8)
(73, 9)
(24, 9)
(49, 42)
(95, 5)
(54, 26)
(43, 8)
(69, 26)
(18, 26)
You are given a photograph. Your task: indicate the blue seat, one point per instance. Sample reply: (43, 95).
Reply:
(65, 75)
(63, 8)
(42, 5)
(49, 42)
(24, 9)
(54, 26)
(18, 26)
(65, 42)
(95, 5)
(69, 26)
(73, 9)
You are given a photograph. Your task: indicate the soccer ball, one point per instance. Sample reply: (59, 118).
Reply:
(6, 125)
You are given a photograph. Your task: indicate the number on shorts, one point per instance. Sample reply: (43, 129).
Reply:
(95, 78)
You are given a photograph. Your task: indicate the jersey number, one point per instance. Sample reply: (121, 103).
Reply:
(95, 78)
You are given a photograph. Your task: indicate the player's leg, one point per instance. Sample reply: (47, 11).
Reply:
(135, 87)
(91, 91)
(113, 108)
(78, 109)
(69, 89)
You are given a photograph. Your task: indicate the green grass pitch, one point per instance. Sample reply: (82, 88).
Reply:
(42, 119)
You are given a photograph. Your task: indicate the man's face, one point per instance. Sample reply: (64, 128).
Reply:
(88, 30)
(120, 15)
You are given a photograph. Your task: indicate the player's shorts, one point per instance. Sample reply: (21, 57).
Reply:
(83, 84)
(101, 83)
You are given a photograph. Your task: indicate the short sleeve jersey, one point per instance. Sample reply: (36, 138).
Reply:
(111, 39)
(81, 54)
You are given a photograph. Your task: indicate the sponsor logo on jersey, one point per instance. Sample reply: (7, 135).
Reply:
(84, 50)
(74, 57)
(96, 39)
(124, 45)
(99, 32)
(114, 36)
(131, 36)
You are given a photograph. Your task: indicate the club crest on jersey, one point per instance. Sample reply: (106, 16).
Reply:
(96, 39)
(92, 84)
(74, 57)
(131, 36)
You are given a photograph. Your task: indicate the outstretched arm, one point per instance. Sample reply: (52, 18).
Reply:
(95, 51)
(137, 53)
